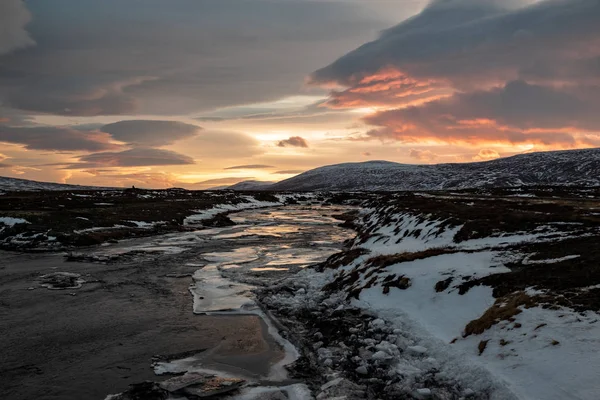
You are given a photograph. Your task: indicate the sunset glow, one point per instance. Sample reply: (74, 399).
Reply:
(248, 86)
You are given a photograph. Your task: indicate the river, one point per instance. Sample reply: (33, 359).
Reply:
(186, 293)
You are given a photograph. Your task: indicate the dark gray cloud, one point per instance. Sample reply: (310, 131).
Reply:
(71, 96)
(150, 133)
(466, 42)
(138, 157)
(14, 17)
(56, 138)
(174, 57)
(480, 71)
(251, 166)
(5, 165)
(294, 141)
(518, 112)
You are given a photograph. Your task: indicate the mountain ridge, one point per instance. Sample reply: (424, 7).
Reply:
(21, 185)
(564, 167)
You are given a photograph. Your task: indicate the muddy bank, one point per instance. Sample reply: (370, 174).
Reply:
(57, 220)
(134, 309)
(102, 338)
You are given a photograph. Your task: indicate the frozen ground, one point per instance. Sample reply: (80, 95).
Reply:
(491, 299)
(264, 247)
(453, 296)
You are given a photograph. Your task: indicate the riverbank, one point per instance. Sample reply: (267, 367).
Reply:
(136, 302)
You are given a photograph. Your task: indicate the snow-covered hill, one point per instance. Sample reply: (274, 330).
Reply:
(250, 185)
(18, 185)
(572, 167)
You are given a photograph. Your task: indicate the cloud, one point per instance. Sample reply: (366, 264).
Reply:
(251, 166)
(387, 87)
(466, 71)
(367, 154)
(220, 145)
(2, 163)
(73, 96)
(150, 133)
(56, 138)
(289, 172)
(174, 57)
(293, 141)
(136, 157)
(462, 43)
(422, 155)
(486, 154)
(115, 177)
(14, 17)
(516, 113)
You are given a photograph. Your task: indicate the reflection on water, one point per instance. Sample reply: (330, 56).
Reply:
(270, 245)
(272, 242)
(228, 264)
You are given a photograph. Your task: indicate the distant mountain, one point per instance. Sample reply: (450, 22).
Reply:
(20, 185)
(250, 185)
(572, 167)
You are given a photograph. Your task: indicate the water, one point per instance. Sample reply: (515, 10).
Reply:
(266, 246)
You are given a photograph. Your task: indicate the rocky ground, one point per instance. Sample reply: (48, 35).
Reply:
(479, 294)
(473, 294)
(57, 220)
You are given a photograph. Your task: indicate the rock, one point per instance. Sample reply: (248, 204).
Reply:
(62, 280)
(417, 350)
(179, 382)
(332, 383)
(328, 362)
(424, 393)
(377, 323)
(144, 391)
(362, 370)
(380, 356)
(213, 386)
(387, 347)
(219, 220)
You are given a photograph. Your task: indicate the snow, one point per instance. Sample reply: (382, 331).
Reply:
(147, 225)
(446, 313)
(542, 168)
(548, 356)
(537, 368)
(250, 203)
(17, 185)
(297, 391)
(414, 235)
(10, 221)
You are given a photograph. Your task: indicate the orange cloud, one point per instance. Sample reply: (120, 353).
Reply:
(517, 113)
(486, 154)
(422, 155)
(387, 87)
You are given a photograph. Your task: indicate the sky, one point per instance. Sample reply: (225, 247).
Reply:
(205, 93)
